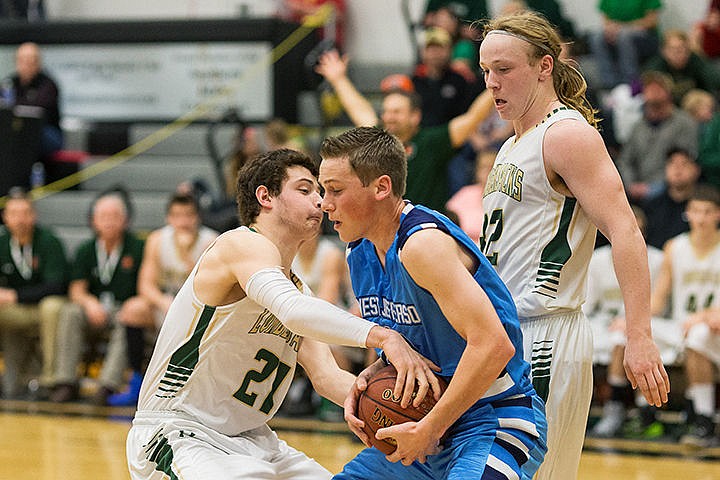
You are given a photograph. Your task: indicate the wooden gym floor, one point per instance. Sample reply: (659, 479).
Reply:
(42, 441)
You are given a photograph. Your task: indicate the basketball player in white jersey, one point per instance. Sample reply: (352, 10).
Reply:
(552, 184)
(234, 334)
(693, 264)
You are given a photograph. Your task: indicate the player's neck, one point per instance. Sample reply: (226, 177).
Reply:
(385, 227)
(284, 240)
(536, 113)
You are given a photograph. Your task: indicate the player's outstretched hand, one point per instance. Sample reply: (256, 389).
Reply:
(415, 441)
(413, 369)
(645, 370)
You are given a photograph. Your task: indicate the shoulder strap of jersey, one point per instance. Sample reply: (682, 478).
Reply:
(414, 219)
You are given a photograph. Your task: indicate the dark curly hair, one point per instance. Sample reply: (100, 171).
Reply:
(268, 169)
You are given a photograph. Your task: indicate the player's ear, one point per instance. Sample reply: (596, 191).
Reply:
(547, 65)
(263, 196)
(383, 186)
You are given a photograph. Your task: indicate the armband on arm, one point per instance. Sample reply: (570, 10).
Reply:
(303, 314)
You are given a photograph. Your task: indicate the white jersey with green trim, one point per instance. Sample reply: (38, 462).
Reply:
(695, 280)
(228, 367)
(539, 240)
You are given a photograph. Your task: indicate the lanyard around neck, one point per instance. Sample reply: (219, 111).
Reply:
(107, 263)
(22, 257)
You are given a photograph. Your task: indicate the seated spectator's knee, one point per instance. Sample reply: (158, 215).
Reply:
(136, 312)
(51, 306)
(698, 337)
(71, 313)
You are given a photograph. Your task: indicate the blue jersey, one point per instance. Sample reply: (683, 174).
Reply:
(391, 298)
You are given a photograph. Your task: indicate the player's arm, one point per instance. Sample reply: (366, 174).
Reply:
(462, 126)
(333, 68)
(149, 274)
(578, 165)
(328, 379)
(473, 316)
(246, 263)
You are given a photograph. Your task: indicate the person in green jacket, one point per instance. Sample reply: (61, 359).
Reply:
(32, 288)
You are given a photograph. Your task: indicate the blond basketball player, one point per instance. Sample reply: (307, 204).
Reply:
(232, 337)
(552, 184)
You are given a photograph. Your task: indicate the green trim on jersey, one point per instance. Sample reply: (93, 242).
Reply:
(160, 453)
(555, 254)
(183, 360)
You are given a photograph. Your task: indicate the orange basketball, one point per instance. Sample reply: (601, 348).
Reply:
(379, 409)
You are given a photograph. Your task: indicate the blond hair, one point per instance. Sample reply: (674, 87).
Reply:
(694, 100)
(533, 28)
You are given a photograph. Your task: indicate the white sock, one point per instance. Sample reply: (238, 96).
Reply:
(702, 396)
(617, 380)
(640, 400)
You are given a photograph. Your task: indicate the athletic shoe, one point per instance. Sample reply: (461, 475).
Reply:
(701, 433)
(637, 429)
(611, 421)
(129, 397)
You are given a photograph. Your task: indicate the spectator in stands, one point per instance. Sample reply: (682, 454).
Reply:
(628, 37)
(666, 210)
(687, 69)
(457, 18)
(429, 149)
(169, 255)
(694, 262)
(663, 126)
(34, 87)
(444, 93)
(466, 204)
(605, 309)
(709, 150)
(700, 105)
(32, 288)
(103, 283)
(705, 34)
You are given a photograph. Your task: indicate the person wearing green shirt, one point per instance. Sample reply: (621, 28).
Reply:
(429, 149)
(628, 37)
(103, 290)
(32, 288)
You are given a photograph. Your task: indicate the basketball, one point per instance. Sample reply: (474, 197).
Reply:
(379, 409)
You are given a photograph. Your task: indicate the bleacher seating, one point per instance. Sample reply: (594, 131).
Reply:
(150, 177)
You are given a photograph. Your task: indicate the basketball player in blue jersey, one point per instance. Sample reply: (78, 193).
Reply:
(552, 184)
(415, 272)
(232, 337)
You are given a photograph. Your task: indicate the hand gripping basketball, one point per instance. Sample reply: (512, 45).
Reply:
(378, 408)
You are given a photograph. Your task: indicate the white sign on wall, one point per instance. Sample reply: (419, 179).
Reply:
(160, 80)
